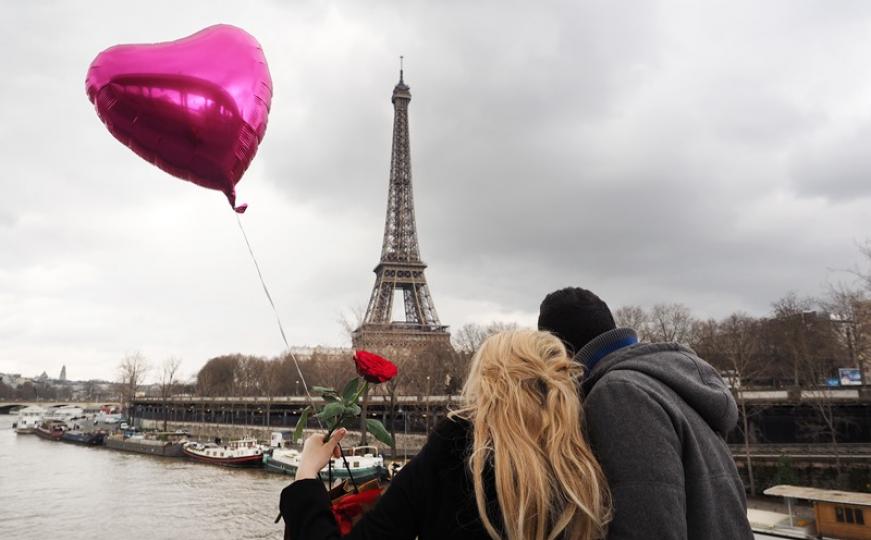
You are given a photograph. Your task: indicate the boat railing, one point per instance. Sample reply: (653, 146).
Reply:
(362, 450)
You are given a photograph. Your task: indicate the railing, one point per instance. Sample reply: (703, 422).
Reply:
(291, 400)
(858, 394)
(862, 449)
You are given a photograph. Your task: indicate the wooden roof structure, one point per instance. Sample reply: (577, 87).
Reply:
(821, 495)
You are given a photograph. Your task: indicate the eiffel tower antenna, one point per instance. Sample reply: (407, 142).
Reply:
(399, 273)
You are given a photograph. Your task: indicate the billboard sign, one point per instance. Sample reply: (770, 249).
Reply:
(850, 376)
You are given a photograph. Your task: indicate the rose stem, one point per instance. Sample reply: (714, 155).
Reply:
(348, 467)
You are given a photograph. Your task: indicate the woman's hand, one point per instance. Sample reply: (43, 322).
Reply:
(316, 453)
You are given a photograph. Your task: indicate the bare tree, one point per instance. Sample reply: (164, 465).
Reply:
(329, 370)
(91, 390)
(470, 336)
(850, 308)
(739, 339)
(167, 383)
(251, 376)
(351, 319)
(671, 322)
(275, 379)
(636, 318)
(218, 376)
(790, 316)
(811, 341)
(6, 391)
(865, 274)
(131, 373)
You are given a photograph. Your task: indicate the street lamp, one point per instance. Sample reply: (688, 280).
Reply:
(427, 403)
(405, 440)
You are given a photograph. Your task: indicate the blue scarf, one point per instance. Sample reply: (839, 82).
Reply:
(608, 349)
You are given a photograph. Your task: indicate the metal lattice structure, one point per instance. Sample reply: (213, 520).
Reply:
(400, 268)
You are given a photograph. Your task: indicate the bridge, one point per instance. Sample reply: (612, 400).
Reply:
(9, 407)
(412, 413)
(777, 416)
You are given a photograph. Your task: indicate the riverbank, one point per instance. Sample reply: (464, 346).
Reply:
(405, 444)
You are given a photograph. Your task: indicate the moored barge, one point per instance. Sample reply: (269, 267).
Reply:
(363, 461)
(87, 438)
(29, 419)
(51, 430)
(241, 453)
(143, 444)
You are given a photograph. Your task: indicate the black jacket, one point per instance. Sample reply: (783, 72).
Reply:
(656, 416)
(430, 498)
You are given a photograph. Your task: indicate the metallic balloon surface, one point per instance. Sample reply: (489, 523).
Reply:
(196, 107)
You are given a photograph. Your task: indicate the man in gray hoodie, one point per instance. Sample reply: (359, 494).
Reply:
(656, 416)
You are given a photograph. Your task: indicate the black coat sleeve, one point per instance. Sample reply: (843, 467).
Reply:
(305, 507)
(398, 514)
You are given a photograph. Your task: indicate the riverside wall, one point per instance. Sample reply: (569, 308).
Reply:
(405, 444)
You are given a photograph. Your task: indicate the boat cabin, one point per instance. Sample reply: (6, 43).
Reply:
(64, 413)
(839, 514)
(30, 416)
(242, 443)
(281, 438)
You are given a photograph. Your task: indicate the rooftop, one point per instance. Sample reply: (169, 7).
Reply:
(822, 495)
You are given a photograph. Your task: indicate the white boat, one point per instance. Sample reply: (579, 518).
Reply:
(281, 438)
(28, 419)
(363, 461)
(107, 418)
(241, 453)
(65, 413)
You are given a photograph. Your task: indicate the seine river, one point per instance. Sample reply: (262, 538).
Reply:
(58, 490)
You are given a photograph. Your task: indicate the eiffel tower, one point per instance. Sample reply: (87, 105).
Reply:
(400, 272)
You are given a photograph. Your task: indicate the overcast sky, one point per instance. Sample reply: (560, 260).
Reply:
(714, 154)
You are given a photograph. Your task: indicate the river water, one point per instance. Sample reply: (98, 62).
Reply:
(54, 490)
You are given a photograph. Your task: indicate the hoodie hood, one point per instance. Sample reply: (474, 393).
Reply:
(676, 367)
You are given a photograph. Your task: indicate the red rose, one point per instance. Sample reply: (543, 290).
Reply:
(374, 368)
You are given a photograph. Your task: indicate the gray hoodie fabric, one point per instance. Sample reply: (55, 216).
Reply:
(656, 416)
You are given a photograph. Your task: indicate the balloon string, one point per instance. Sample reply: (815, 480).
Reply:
(278, 320)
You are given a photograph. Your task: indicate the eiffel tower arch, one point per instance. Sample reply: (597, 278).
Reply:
(399, 274)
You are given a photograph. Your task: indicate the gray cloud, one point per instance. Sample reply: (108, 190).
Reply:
(711, 155)
(838, 169)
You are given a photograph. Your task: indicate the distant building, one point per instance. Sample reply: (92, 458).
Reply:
(326, 353)
(13, 379)
(43, 377)
(63, 374)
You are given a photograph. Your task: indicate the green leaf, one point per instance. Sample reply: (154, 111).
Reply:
(300, 425)
(352, 410)
(331, 410)
(350, 390)
(376, 428)
(323, 389)
(331, 397)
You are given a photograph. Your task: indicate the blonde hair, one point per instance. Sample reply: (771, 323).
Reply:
(521, 397)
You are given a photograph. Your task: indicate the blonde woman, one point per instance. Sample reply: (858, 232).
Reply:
(510, 464)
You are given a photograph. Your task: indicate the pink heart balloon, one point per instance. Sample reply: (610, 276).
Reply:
(196, 107)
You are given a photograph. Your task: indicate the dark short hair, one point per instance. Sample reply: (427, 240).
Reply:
(575, 315)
